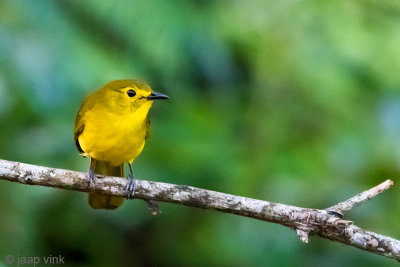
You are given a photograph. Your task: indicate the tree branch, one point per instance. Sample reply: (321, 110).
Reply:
(324, 223)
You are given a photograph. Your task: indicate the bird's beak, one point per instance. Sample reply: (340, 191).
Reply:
(155, 95)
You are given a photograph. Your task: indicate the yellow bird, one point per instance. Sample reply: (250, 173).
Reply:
(111, 128)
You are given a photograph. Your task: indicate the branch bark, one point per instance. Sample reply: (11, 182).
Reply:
(324, 223)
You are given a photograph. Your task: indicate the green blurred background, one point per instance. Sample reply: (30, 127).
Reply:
(289, 101)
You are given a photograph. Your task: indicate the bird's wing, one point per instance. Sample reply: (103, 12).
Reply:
(87, 104)
(77, 132)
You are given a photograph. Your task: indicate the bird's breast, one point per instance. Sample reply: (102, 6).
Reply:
(115, 137)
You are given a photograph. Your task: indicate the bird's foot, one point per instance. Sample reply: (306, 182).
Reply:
(92, 178)
(131, 185)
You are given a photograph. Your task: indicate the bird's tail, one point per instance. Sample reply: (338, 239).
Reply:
(100, 201)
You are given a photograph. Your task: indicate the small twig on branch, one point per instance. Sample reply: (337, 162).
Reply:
(360, 198)
(305, 221)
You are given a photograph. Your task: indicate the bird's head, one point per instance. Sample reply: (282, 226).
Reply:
(132, 93)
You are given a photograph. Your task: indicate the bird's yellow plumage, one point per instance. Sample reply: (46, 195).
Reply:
(111, 128)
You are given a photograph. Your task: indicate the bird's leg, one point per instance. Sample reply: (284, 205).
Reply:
(131, 186)
(130, 192)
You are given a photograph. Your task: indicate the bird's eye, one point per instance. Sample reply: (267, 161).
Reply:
(131, 93)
